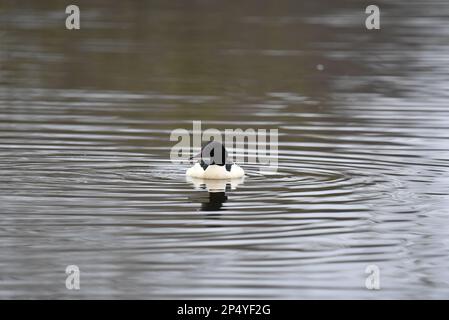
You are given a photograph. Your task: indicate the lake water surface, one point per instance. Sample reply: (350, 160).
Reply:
(86, 177)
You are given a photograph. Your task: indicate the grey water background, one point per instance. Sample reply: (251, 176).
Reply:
(86, 179)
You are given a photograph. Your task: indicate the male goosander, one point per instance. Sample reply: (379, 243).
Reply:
(213, 164)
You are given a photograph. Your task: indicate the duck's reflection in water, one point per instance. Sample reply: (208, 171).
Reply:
(215, 201)
(216, 192)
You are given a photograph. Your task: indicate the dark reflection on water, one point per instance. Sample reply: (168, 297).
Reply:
(216, 192)
(210, 201)
(85, 176)
(214, 202)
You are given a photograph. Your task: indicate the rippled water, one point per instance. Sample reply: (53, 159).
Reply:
(86, 179)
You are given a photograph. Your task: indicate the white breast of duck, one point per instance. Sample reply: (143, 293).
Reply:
(204, 171)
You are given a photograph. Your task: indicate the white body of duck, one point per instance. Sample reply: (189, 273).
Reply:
(215, 185)
(215, 172)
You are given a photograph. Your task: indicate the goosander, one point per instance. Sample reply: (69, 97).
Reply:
(213, 164)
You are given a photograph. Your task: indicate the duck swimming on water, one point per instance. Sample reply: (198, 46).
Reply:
(214, 164)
